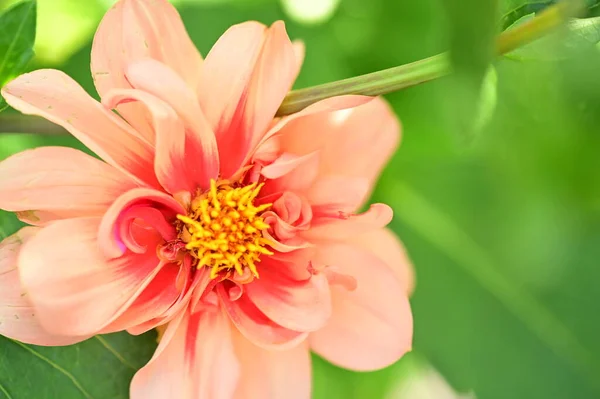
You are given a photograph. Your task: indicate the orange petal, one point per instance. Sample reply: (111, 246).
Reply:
(18, 318)
(55, 96)
(74, 289)
(162, 208)
(200, 143)
(354, 142)
(170, 161)
(300, 305)
(272, 374)
(384, 244)
(195, 359)
(51, 183)
(371, 327)
(137, 29)
(255, 325)
(348, 225)
(246, 75)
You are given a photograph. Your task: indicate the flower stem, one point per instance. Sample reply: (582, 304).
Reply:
(425, 70)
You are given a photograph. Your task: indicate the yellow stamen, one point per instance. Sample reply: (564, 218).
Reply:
(223, 229)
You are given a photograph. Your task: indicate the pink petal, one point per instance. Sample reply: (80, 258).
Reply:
(337, 194)
(323, 108)
(55, 96)
(297, 304)
(169, 163)
(299, 52)
(384, 244)
(285, 164)
(343, 226)
(297, 174)
(61, 182)
(273, 374)
(371, 327)
(241, 95)
(137, 29)
(74, 289)
(18, 319)
(152, 304)
(200, 144)
(195, 359)
(110, 235)
(255, 325)
(355, 142)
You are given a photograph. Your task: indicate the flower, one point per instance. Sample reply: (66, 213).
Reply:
(233, 232)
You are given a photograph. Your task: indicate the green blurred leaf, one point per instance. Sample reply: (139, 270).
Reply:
(472, 48)
(101, 367)
(488, 97)
(17, 37)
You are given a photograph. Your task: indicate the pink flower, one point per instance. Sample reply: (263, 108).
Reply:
(234, 232)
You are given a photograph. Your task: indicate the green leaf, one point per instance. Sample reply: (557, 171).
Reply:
(17, 36)
(99, 368)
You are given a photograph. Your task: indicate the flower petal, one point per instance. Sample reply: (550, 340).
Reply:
(273, 374)
(169, 163)
(354, 142)
(200, 143)
(152, 304)
(334, 194)
(136, 29)
(299, 52)
(343, 226)
(371, 327)
(241, 95)
(255, 325)
(18, 319)
(195, 359)
(162, 208)
(384, 244)
(61, 182)
(53, 95)
(297, 304)
(74, 289)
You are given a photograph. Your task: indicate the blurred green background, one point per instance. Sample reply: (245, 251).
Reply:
(496, 196)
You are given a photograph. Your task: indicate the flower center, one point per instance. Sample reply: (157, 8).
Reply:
(223, 229)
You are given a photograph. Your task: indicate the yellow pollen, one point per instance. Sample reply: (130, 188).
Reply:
(223, 230)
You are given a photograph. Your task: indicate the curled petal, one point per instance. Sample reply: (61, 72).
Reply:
(117, 222)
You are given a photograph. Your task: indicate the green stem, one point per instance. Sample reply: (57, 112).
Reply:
(425, 70)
